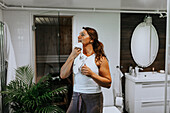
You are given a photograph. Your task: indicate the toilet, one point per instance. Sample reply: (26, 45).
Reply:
(108, 101)
(110, 109)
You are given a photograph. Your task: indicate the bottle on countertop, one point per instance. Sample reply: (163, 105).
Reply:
(130, 69)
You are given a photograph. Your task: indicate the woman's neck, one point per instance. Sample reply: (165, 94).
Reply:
(88, 50)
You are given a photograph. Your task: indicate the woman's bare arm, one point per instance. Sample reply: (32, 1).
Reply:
(66, 69)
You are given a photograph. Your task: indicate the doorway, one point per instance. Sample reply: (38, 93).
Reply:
(53, 44)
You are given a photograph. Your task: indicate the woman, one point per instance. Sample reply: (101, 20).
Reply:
(91, 71)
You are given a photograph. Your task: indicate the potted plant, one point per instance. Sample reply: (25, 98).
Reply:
(24, 96)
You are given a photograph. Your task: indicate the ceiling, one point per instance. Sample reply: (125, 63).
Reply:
(101, 4)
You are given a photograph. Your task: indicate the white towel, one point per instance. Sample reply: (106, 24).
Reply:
(118, 89)
(118, 83)
(9, 54)
(120, 73)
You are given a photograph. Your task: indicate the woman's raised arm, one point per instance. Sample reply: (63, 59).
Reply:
(66, 69)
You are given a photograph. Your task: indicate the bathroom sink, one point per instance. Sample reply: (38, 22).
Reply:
(147, 77)
(150, 75)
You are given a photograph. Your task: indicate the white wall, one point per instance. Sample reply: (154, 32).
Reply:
(1, 17)
(19, 26)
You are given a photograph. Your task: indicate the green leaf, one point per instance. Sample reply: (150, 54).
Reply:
(25, 96)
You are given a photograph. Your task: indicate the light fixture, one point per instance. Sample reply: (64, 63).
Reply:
(148, 19)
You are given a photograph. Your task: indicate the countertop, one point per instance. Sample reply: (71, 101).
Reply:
(147, 77)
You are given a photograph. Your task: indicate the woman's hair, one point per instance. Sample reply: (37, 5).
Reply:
(97, 45)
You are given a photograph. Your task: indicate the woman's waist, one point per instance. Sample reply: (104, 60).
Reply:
(87, 88)
(86, 81)
(91, 94)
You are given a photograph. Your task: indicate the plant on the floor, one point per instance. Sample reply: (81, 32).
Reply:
(24, 96)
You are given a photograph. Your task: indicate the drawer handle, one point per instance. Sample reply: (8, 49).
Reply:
(152, 85)
(153, 103)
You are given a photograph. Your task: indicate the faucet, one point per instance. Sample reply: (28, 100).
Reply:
(137, 70)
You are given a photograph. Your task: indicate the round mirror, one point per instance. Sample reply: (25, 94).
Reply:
(144, 43)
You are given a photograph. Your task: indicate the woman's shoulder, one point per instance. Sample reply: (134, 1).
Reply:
(102, 60)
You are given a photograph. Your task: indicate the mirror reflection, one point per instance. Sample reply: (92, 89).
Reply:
(144, 43)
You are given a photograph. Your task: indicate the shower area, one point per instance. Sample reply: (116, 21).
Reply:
(53, 37)
(53, 44)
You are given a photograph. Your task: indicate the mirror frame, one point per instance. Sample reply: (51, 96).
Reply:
(152, 56)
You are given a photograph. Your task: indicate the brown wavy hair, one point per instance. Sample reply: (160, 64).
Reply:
(97, 45)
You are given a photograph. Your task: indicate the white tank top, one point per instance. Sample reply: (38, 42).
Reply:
(83, 83)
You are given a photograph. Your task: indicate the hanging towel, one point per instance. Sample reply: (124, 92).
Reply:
(9, 54)
(118, 82)
(118, 89)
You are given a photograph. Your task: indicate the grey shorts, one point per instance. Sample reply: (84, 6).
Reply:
(86, 103)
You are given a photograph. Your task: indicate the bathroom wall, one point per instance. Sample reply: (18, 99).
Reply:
(19, 26)
(1, 17)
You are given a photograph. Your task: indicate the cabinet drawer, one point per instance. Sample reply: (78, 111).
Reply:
(150, 107)
(154, 90)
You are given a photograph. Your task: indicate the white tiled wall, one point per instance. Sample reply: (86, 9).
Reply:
(18, 23)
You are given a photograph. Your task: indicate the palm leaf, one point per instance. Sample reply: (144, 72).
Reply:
(25, 74)
(25, 96)
(49, 109)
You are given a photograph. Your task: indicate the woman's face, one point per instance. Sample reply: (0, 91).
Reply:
(84, 37)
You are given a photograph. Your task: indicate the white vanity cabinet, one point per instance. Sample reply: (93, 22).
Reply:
(145, 94)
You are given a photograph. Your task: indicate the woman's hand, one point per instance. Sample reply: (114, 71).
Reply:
(76, 51)
(103, 78)
(86, 71)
